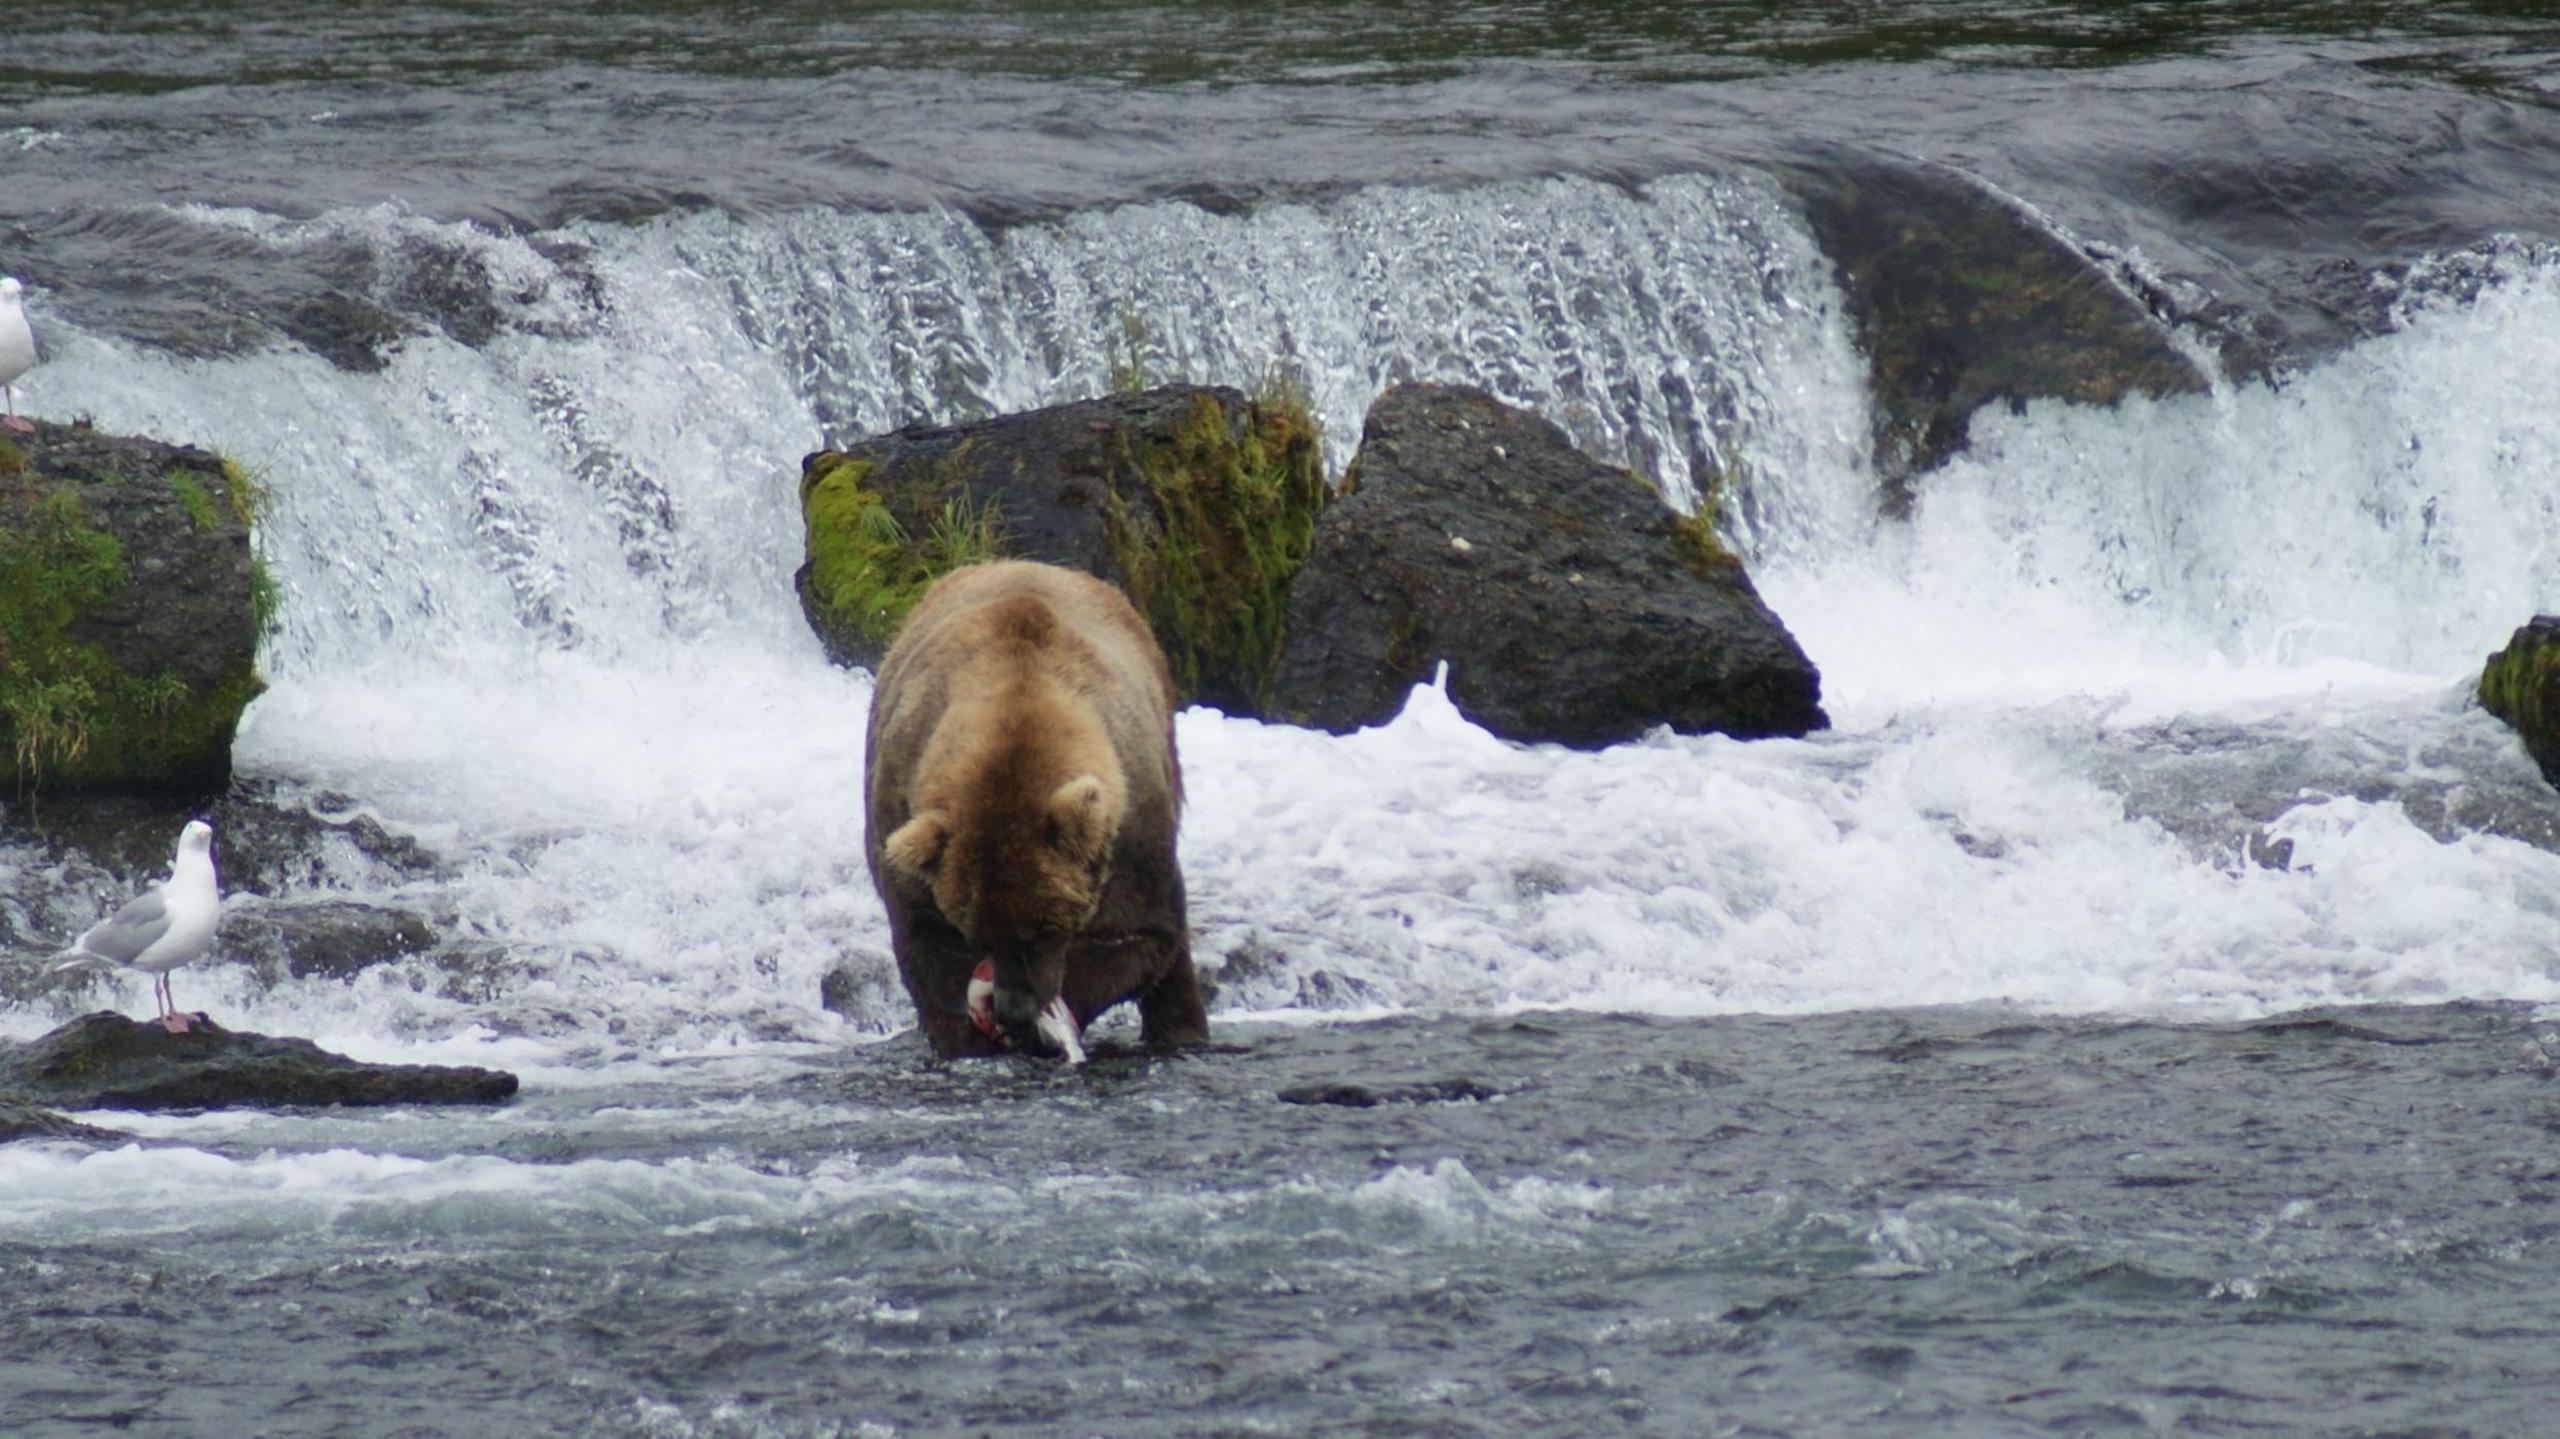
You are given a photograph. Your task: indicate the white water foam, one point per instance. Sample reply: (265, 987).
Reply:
(538, 618)
(209, 1197)
(205, 1195)
(2392, 513)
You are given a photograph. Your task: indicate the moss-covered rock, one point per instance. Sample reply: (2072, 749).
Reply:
(131, 603)
(2521, 685)
(1197, 501)
(866, 565)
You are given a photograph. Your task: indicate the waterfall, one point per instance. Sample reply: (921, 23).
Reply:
(2397, 506)
(615, 460)
(537, 614)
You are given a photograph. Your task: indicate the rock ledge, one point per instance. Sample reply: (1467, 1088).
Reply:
(107, 1061)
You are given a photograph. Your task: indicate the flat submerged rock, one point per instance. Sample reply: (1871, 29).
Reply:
(20, 1120)
(107, 1061)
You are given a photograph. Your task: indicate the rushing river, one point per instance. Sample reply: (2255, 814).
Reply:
(2136, 1014)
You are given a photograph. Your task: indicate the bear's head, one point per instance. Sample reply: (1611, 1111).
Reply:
(1018, 873)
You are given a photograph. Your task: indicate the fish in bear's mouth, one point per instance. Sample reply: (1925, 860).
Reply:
(1057, 1024)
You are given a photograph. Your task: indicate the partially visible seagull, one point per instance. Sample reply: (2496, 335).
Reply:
(17, 352)
(168, 925)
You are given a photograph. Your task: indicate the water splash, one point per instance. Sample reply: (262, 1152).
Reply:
(1688, 329)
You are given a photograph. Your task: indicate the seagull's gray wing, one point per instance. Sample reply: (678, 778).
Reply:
(125, 934)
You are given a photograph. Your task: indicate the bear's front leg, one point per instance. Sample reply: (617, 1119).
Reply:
(1171, 1014)
(954, 1037)
(934, 964)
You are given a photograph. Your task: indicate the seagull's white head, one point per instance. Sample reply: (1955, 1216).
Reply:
(195, 839)
(9, 288)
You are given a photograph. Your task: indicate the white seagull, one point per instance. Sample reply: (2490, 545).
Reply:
(168, 925)
(17, 352)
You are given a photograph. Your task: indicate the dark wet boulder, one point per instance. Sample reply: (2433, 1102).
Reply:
(130, 609)
(1570, 602)
(1959, 299)
(329, 938)
(347, 330)
(21, 1120)
(106, 1061)
(863, 987)
(1197, 501)
(2521, 685)
(265, 838)
(1344, 1094)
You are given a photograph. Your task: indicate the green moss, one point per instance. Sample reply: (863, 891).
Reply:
(193, 499)
(51, 568)
(158, 732)
(864, 574)
(1701, 549)
(1233, 517)
(247, 492)
(13, 461)
(2521, 684)
(1693, 536)
(1984, 279)
(66, 712)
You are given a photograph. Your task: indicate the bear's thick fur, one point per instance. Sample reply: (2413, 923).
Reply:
(1020, 799)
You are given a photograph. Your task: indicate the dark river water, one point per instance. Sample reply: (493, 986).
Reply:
(1919, 1222)
(2138, 1014)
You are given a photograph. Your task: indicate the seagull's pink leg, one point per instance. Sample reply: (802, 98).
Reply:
(170, 1019)
(13, 423)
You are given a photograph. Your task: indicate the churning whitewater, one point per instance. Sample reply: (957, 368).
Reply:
(538, 620)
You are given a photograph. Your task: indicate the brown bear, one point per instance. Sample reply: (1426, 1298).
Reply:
(1020, 800)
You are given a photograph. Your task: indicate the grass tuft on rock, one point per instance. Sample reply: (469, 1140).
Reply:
(193, 499)
(247, 492)
(1694, 538)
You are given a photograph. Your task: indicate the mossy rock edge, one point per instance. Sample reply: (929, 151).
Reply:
(1197, 501)
(1232, 505)
(2521, 685)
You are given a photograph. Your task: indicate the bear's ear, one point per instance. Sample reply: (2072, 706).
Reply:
(914, 848)
(1080, 823)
